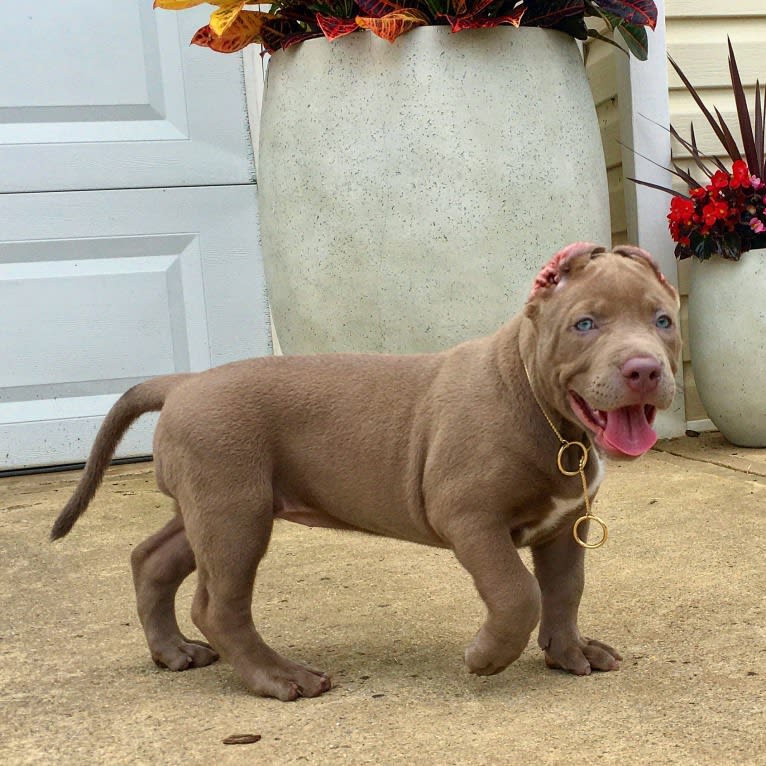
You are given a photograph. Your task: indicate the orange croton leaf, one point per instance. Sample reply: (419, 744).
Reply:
(333, 28)
(204, 37)
(225, 16)
(393, 24)
(223, 5)
(178, 5)
(476, 21)
(246, 28)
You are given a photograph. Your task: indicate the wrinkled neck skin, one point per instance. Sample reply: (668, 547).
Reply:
(551, 392)
(517, 343)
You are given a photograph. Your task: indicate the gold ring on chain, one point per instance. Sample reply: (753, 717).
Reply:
(584, 452)
(583, 458)
(585, 543)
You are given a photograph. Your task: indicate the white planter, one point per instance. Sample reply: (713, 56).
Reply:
(409, 193)
(727, 340)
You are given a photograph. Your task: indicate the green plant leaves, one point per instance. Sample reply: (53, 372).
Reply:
(633, 12)
(548, 14)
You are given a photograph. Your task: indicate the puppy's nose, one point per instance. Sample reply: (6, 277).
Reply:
(642, 374)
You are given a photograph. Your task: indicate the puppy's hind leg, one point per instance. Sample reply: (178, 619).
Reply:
(160, 564)
(229, 538)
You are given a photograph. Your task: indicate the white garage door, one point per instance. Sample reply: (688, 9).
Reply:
(128, 221)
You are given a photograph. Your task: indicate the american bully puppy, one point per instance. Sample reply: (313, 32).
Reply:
(460, 449)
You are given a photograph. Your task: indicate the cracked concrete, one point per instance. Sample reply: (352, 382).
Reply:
(679, 589)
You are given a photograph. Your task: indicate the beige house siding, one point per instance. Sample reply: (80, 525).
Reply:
(696, 32)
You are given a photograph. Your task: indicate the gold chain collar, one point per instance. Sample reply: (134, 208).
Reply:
(584, 453)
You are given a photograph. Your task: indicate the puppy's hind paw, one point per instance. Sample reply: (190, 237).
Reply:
(286, 680)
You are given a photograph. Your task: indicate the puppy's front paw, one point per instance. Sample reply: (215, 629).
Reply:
(183, 654)
(488, 654)
(582, 656)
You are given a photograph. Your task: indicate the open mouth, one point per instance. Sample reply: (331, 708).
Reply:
(622, 432)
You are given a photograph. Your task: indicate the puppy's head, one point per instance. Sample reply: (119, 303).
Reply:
(607, 342)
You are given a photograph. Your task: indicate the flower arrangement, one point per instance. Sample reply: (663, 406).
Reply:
(233, 25)
(727, 215)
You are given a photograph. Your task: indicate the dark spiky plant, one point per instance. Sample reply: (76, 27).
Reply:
(724, 215)
(234, 24)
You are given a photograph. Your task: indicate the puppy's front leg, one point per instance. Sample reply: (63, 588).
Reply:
(560, 569)
(508, 589)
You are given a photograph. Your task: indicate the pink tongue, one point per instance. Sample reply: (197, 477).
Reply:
(628, 431)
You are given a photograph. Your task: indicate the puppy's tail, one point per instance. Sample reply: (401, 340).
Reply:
(145, 397)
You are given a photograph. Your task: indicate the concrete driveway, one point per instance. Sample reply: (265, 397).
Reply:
(679, 589)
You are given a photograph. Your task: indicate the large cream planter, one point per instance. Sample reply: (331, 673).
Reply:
(410, 192)
(727, 340)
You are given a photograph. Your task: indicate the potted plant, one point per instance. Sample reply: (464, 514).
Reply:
(234, 25)
(720, 219)
(411, 184)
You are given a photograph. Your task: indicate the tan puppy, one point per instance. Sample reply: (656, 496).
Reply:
(449, 449)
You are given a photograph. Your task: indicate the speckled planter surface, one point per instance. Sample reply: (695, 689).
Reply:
(727, 340)
(409, 193)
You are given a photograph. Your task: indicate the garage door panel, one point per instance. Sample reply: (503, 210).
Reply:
(86, 317)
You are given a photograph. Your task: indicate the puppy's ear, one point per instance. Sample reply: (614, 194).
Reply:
(641, 255)
(638, 253)
(566, 262)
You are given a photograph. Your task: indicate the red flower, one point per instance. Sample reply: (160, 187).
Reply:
(740, 175)
(681, 210)
(720, 180)
(680, 218)
(698, 192)
(715, 211)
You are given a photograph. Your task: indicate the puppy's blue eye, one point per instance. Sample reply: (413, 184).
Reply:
(664, 322)
(585, 324)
